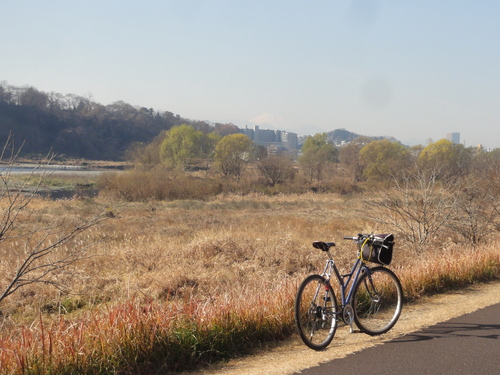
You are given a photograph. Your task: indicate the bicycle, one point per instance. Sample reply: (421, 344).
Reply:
(370, 297)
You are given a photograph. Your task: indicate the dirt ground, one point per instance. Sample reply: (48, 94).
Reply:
(293, 356)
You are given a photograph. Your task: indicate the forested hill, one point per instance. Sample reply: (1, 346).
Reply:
(78, 127)
(341, 135)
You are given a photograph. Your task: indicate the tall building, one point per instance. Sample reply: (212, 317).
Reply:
(290, 140)
(453, 137)
(264, 136)
(275, 138)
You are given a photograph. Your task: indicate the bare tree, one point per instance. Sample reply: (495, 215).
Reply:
(34, 249)
(418, 206)
(478, 209)
(277, 169)
(349, 154)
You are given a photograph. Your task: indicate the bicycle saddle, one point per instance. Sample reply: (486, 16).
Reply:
(325, 246)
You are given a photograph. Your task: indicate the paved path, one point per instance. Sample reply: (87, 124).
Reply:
(469, 344)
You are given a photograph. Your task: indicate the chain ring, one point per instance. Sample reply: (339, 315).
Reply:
(348, 314)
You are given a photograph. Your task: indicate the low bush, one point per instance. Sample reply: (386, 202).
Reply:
(156, 184)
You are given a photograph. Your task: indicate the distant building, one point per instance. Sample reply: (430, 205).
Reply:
(291, 140)
(264, 137)
(250, 133)
(273, 140)
(453, 137)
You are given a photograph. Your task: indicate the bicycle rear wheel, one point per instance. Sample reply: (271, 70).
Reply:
(377, 301)
(316, 312)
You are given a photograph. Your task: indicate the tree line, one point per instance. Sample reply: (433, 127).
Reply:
(363, 160)
(165, 149)
(78, 127)
(419, 191)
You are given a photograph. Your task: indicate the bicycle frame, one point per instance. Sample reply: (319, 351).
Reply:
(352, 278)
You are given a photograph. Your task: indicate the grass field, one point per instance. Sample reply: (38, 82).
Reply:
(171, 285)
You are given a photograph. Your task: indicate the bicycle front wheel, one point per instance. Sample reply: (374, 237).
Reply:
(377, 301)
(316, 312)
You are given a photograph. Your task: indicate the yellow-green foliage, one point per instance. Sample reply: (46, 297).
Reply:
(231, 153)
(450, 158)
(381, 159)
(183, 144)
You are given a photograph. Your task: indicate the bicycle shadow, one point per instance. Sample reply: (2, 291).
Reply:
(451, 330)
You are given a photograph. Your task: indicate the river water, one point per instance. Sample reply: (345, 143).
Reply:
(28, 168)
(57, 193)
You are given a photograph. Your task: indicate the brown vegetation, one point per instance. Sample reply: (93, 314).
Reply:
(195, 265)
(186, 267)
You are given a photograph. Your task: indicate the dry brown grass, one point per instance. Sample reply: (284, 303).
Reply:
(180, 248)
(184, 248)
(229, 251)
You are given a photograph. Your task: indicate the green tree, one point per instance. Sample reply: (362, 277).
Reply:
(317, 154)
(383, 159)
(450, 159)
(183, 145)
(33, 98)
(231, 154)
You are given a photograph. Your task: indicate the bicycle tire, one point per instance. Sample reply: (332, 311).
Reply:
(377, 301)
(316, 312)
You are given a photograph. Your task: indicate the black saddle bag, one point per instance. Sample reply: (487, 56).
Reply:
(378, 251)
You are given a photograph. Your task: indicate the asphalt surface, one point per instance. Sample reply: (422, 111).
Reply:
(469, 344)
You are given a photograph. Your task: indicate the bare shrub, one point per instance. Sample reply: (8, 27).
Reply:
(417, 206)
(478, 211)
(277, 169)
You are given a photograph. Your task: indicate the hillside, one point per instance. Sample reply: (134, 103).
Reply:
(338, 136)
(77, 127)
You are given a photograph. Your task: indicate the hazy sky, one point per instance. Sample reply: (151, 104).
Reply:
(415, 70)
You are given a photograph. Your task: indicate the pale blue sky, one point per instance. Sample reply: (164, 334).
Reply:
(411, 69)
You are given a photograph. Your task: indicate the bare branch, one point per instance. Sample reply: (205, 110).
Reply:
(47, 246)
(417, 205)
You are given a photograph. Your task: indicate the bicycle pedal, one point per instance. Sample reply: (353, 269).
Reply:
(355, 330)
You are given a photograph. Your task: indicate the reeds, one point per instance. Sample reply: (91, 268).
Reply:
(449, 269)
(139, 336)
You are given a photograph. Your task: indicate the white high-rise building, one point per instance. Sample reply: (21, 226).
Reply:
(453, 137)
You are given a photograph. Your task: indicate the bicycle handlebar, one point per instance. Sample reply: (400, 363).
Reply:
(362, 237)
(350, 238)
